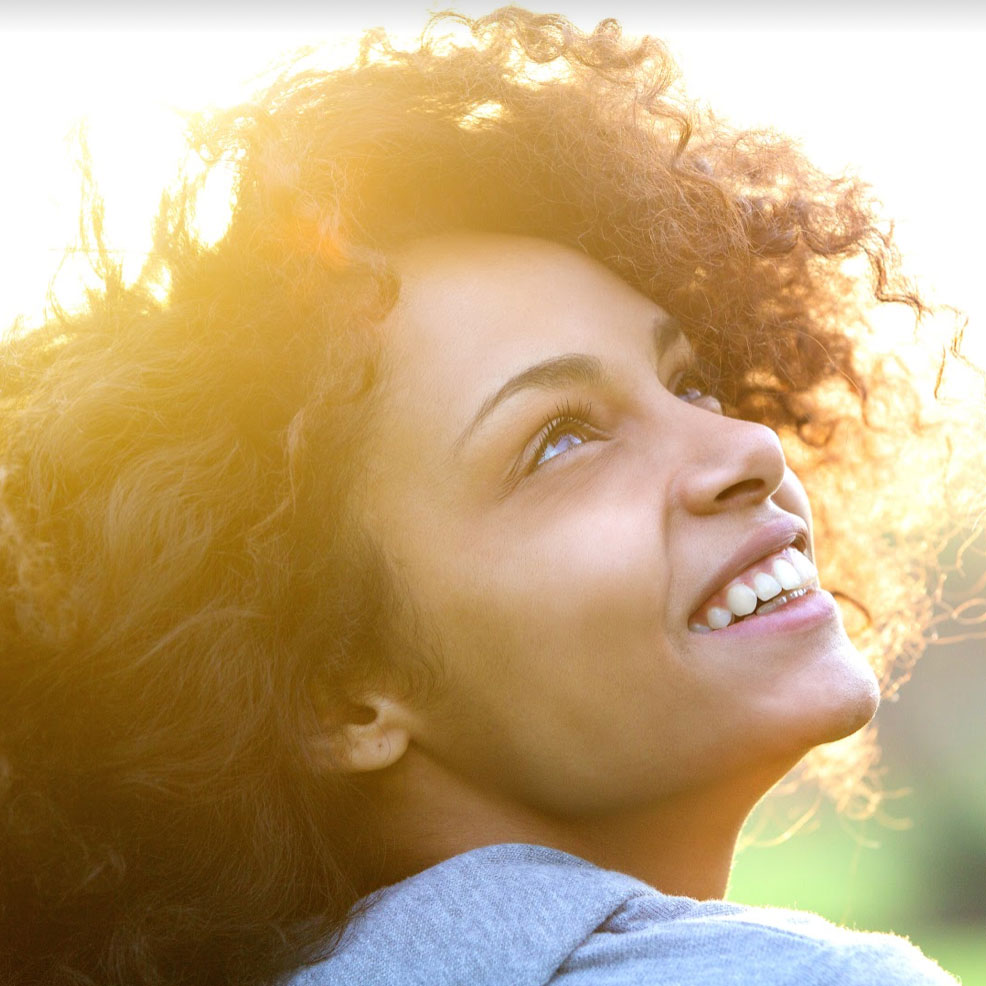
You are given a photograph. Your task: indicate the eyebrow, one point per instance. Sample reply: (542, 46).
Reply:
(559, 372)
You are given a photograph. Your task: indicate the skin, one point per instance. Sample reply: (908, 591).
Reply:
(552, 585)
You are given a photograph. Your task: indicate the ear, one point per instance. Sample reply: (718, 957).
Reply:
(376, 735)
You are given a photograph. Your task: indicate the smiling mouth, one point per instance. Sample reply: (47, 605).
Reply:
(765, 586)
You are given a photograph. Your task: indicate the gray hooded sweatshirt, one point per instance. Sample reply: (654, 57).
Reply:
(519, 915)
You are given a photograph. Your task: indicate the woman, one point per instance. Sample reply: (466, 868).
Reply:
(435, 534)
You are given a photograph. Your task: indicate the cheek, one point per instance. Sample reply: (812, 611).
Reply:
(554, 639)
(570, 581)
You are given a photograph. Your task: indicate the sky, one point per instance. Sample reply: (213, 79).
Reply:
(894, 97)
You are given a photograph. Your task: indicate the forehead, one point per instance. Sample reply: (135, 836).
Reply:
(476, 309)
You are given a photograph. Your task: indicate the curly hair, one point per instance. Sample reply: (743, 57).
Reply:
(186, 591)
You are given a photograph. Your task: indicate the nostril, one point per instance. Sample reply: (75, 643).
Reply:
(744, 488)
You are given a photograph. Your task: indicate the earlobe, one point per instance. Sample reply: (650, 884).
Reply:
(371, 744)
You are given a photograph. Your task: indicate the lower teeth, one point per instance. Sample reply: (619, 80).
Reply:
(769, 607)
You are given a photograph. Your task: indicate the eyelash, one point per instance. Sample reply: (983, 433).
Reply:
(566, 418)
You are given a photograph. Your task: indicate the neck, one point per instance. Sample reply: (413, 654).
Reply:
(682, 844)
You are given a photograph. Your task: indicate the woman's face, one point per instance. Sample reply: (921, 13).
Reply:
(563, 510)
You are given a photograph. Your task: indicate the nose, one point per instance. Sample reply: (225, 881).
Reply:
(732, 463)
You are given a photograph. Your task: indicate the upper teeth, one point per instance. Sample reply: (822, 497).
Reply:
(781, 572)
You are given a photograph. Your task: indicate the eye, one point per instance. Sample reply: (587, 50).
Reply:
(693, 385)
(568, 428)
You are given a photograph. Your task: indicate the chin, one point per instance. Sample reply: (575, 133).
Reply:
(848, 703)
(828, 700)
(858, 709)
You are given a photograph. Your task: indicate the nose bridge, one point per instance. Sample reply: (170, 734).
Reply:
(728, 462)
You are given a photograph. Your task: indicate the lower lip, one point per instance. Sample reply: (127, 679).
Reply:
(813, 609)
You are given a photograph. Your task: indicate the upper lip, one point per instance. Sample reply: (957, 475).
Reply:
(768, 538)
